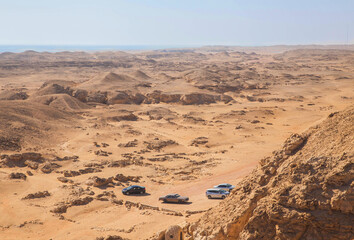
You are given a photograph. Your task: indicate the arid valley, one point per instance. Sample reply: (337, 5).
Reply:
(78, 127)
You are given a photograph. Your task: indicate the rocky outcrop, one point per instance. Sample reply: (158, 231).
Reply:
(48, 167)
(81, 95)
(13, 95)
(294, 142)
(63, 87)
(172, 233)
(124, 117)
(30, 159)
(158, 144)
(71, 173)
(111, 237)
(10, 143)
(62, 207)
(127, 97)
(302, 191)
(133, 143)
(158, 96)
(124, 97)
(64, 180)
(121, 178)
(18, 176)
(97, 97)
(37, 195)
(53, 88)
(99, 182)
(199, 141)
(197, 98)
(160, 113)
(106, 195)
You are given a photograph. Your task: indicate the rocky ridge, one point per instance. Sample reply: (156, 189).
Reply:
(302, 191)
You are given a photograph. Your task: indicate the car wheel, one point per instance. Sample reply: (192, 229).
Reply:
(127, 193)
(209, 196)
(141, 192)
(180, 201)
(223, 197)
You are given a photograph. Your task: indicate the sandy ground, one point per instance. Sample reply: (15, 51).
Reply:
(277, 94)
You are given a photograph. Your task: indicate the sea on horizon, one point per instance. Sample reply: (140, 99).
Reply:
(60, 48)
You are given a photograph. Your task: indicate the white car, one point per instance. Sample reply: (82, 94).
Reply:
(225, 186)
(216, 193)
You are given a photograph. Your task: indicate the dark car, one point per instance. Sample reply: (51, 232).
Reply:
(174, 198)
(135, 189)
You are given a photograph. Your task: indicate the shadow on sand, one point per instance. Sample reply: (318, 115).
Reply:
(138, 195)
(183, 203)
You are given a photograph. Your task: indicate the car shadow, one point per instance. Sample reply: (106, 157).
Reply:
(105, 187)
(183, 203)
(138, 195)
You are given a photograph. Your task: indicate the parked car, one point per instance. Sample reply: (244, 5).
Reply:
(174, 198)
(225, 186)
(217, 193)
(134, 189)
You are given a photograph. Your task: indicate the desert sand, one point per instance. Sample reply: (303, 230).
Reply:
(78, 127)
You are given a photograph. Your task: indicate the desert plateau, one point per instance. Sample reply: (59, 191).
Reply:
(76, 127)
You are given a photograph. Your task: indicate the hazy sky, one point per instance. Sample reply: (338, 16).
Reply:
(178, 22)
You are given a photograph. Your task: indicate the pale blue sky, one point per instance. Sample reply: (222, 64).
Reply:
(179, 22)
